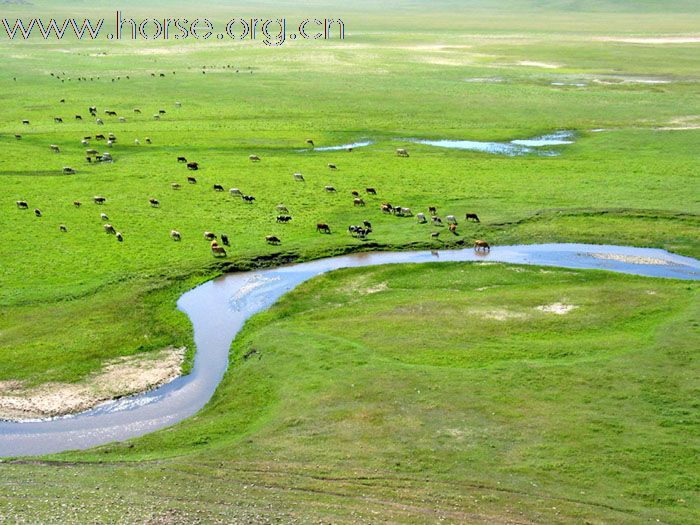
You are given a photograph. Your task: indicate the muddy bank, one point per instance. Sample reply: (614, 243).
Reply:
(121, 377)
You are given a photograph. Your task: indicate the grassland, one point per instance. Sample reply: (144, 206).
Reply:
(436, 392)
(69, 302)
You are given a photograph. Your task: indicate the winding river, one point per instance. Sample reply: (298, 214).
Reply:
(219, 308)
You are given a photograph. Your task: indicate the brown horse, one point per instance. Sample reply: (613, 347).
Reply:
(323, 228)
(481, 246)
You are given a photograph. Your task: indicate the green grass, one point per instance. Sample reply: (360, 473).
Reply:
(423, 391)
(620, 379)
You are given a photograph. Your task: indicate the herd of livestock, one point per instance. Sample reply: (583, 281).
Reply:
(218, 243)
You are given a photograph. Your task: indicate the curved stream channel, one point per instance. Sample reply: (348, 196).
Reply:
(219, 308)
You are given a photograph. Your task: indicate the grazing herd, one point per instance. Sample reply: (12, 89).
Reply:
(284, 217)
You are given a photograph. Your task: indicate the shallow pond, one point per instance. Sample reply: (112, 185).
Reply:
(513, 148)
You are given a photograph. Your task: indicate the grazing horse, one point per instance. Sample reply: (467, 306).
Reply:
(355, 193)
(175, 235)
(209, 236)
(358, 202)
(218, 187)
(401, 152)
(421, 218)
(472, 216)
(332, 167)
(248, 198)
(310, 142)
(119, 236)
(154, 202)
(284, 219)
(224, 239)
(432, 210)
(282, 208)
(435, 235)
(109, 229)
(371, 191)
(68, 171)
(22, 205)
(62, 227)
(453, 227)
(137, 110)
(481, 246)
(235, 191)
(298, 177)
(194, 166)
(78, 117)
(25, 122)
(191, 180)
(437, 220)
(271, 239)
(181, 159)
(217, 251)
(58, 120)
(451, 219)
(37, 212)
(100, 137)
(387, 208)
(367, 224)
(77, 204)
(254, 158)
(148, 141)
(323, 228)
(175, 186)
(104, 217)
(329, 189)
(99, 200)
(18, 136)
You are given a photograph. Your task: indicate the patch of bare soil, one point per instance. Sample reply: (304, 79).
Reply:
(121, 377)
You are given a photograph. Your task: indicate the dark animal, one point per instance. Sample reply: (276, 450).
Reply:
(181, 159)
(401, 152)
(175, 235)
(77, 204)
(284, 219)
(58, 120)
(387, 208)
(22, 205)
(154, 202)
(358, 202)
(194, 166)
(78, 117)
(323, 228)
(472, 216)
(432, 210)
(248, 198)
(367, 224)
(109, 229)
(224, 239)
(99, 137)
(37, 212)
(436, 220)
(254, 158)
(435, 235)
(25, 122)
(99, 200)
(310, 142)
(329, 189)
(119, 237)
(191, 180)
(175, 186)
(218, 187)
(355, 193)
(271, 239)
(371, 191)
(332, 167)
(18, 137)
(209, 236)
(63, 228)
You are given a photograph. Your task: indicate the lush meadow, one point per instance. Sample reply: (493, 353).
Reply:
(524, 419)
